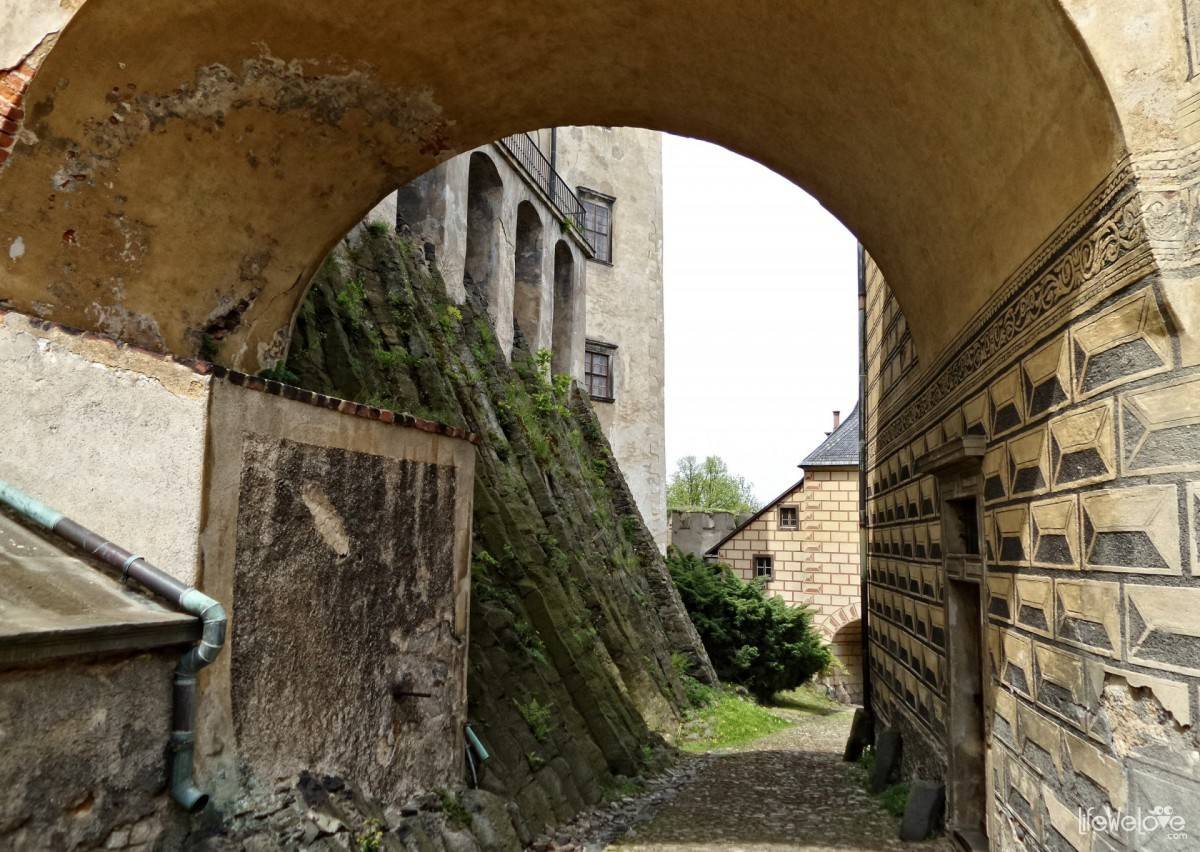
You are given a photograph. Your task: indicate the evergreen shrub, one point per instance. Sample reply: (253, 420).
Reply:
(753, 639)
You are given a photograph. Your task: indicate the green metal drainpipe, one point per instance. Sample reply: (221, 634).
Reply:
(187, 598)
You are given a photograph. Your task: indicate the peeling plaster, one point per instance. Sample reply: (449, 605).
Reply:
(1144, 723)
(17, 249)
(324, 91)
(117, 320)
(267, 83)
(326, 520)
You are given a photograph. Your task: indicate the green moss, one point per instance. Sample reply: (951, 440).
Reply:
(351, 300)
(279, 373)
(807, 699)
(532, 644)
(894, 799)
(537, 716)
(456, 812)
(208, 347)
(370, 838)
(620, 789)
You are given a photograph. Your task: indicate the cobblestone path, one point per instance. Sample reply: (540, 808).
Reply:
(789, 790)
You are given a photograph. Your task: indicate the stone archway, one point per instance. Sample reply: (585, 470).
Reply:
(154, 196)
(568, 324)
(528, 286)
(485, 193)
(836, 620)
(847, 648)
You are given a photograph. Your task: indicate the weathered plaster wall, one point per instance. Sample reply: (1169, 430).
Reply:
(308, 523)
(1019, 121)
(110, 436)
(83, 755)
(625, 301)
(340, 546)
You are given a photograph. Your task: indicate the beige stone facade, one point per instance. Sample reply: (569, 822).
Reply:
(805, 546)
(1029, 541)
(625, 302)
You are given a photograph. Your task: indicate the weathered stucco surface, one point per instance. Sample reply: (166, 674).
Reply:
(625, 301)
(697, 532)
(110, 436)
(341, 546)
(951, 139)
(84, 755)
(345, 657)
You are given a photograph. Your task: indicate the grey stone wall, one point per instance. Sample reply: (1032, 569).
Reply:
(83, 755)
(573, 649)
(698, 532)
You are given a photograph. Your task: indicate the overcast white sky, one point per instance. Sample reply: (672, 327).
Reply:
(761, 315)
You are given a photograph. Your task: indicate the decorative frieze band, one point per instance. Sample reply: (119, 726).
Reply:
(1098, 255)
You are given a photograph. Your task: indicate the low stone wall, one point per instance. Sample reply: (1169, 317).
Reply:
(83, 749)
(699, 532)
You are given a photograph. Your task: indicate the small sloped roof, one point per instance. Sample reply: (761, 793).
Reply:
(55, 602)
(840, 449)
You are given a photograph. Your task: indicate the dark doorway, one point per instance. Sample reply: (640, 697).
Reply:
(968, 751)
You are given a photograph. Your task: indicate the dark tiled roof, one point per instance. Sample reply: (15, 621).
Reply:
(840, 449)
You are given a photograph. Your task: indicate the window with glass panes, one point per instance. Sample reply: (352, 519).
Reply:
(597, 371)
(764, 566)
(597, 224)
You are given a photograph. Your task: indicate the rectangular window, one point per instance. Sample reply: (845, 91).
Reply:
(597, 222)
(764, 567)
(789, 518)
(598, 370)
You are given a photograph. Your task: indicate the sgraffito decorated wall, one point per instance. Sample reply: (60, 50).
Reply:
(1083, 405)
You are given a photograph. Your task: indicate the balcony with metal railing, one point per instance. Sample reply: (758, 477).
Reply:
(524, 150)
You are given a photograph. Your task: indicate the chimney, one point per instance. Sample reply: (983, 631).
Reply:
(837, 420)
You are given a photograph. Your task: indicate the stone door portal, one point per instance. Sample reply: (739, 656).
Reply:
(958, 472)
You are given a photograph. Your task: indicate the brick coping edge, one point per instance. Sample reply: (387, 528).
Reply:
(258, 383)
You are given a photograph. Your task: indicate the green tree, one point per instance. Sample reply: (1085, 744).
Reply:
(753, 639)
(708, 486)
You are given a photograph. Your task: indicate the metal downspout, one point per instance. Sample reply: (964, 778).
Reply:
(864, 573)
(187, 598)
